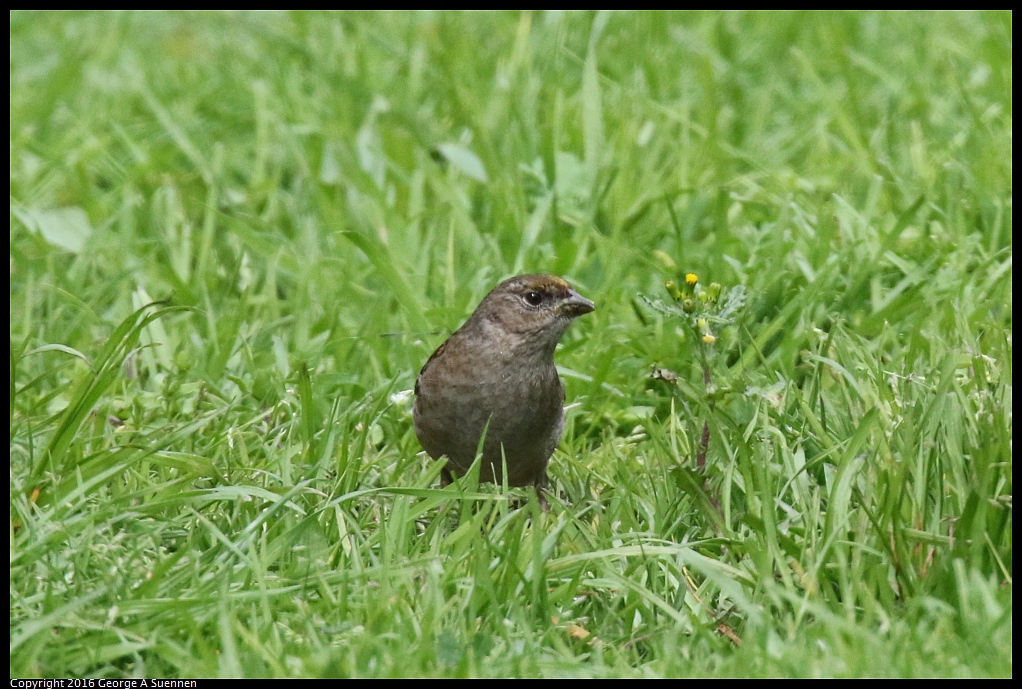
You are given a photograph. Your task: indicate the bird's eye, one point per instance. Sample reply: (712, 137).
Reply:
(533, 298)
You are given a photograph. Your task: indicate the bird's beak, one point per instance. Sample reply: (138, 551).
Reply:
(575, 305)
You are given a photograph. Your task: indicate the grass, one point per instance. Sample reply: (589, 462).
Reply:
(235, 238)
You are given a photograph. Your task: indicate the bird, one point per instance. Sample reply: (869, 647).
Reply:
(495, 378)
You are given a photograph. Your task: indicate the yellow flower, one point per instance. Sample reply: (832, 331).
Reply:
(691, 279)
(709, 339)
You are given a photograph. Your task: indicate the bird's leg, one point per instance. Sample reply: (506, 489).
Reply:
(541, 488)
(446, 477)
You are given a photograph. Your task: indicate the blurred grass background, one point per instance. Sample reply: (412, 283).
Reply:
(226, 482)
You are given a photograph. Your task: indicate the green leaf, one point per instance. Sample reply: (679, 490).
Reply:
(465, 160)
(57, 348)
(308, 407)
(592, 110)
(66, 228)
(380, 257)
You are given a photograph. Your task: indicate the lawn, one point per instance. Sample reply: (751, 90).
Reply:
(236, 237)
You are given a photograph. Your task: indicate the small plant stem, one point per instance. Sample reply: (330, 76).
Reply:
(704, 441)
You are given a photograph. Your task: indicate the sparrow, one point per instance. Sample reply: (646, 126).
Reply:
(495, 378)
